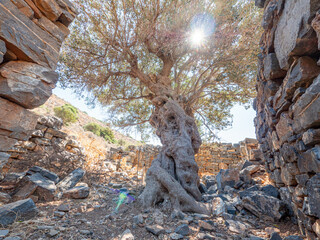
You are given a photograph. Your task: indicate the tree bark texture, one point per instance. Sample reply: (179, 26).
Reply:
(173, 175)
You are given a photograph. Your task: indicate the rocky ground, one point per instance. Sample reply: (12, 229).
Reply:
(243, 206)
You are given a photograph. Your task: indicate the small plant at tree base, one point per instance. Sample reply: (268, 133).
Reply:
(100, 131)
(67, 112)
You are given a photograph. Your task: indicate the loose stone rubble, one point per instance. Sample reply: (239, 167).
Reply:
(240, 210)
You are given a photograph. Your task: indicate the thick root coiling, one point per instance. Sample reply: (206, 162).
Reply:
(174, 173)
(161, 185)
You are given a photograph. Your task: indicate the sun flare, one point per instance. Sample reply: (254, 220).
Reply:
(197, 37)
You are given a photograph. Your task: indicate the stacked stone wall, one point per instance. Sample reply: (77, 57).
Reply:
(288, 105)
(48, 147)
(31, 34)
(210, 158)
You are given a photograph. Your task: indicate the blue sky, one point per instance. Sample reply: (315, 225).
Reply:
(242, 127)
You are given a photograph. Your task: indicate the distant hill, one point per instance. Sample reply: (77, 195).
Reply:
(77, 128)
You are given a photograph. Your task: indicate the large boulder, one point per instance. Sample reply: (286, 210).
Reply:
(10, 180)
(218, 206)
(71, 180)
(310, 161)
(17, 124)
(227, 178)
(27, 84)
(307, 108)
(312, 202)
(293, 35)
(264, 206)
(45, 173)
(17, 211)
(78, 192)
(36, 184)
(26, 39)
(272, 69)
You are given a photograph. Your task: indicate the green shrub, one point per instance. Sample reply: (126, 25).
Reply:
(122, 142)
(93, 127)
(67, 112)
(107, 134)
(98, 130)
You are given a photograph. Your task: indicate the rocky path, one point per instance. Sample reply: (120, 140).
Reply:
(95, 217)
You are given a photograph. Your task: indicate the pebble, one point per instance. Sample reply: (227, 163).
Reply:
(176, 236)
(86, 232)
(59, 214)
(271, 230)
(4, 233)
(236, 226)
(189, 219)
(44, 227)
(178, 214)
(183, 230)
(12, 238)
(53, 233)
(254, 238)
(293, 238)
(205, 236)
(64, 208)
(138, 219)
(155, 229)
(201, 216)
(127, 235)
(275, 236)
(205, 226)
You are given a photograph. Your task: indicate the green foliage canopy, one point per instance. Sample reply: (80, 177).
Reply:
(122, 50)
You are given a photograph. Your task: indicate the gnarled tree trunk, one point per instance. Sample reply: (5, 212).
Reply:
(173, 175)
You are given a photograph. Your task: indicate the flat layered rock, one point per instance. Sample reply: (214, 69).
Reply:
(307, 108)
(79, 192)
(227, 178)
(17, 211)
(292, 35)
(312, 203)
(4, 197)
(155, 229)
(71, 180)
(27, 84)
(18, 123)
(27, 40)
(36, 184)
(4, 157)
(44, 172)
(264, 206)
(3, 50)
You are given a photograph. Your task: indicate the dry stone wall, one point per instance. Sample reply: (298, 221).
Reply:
(288, 105)
(48, 147)
(210, 159)
(31, 34)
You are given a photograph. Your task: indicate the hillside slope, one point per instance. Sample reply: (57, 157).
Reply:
(77, 127)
